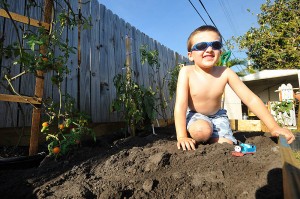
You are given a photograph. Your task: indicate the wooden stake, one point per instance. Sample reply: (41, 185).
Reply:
(131, 125)
(39, 90)
(128, 57)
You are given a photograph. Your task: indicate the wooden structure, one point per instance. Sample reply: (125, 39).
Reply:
(232, 104)
(248, 125)
(263, 84)
(290, 171)
(286, 118)
(39, 84)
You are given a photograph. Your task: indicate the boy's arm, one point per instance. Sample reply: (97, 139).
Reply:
(256, 105)
(183, 141)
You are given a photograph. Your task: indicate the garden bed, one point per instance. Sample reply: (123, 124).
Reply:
(152, 167)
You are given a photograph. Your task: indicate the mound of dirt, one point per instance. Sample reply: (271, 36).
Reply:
(152, 167)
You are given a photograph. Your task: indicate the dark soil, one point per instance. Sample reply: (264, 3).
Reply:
(152, 167)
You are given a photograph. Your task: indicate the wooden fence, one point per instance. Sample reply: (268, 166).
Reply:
(101, 55)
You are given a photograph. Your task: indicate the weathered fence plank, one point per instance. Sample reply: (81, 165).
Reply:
(136, 63)
(55, 95)
(85, 65)
(95, 63)
(9, 111)
(104, 67)
(72, 77)
(145, 67)
(120, 57)
(112, 63)
(28, 80)
(161, 73)
(170, 64)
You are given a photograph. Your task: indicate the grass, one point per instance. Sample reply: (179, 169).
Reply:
(297, 155)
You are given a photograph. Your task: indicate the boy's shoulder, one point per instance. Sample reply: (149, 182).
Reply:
(187, 68)
(220, 68)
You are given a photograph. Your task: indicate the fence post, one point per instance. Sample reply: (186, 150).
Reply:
(39, 90)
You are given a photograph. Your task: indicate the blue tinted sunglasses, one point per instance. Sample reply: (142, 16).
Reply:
(216, 45)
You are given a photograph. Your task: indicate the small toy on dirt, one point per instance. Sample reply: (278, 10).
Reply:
(244, 149)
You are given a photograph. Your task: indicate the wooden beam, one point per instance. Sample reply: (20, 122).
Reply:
(298, 117)
(24, 19)
(248, 125)
(39, 89)
(21, 99)
(290, 170)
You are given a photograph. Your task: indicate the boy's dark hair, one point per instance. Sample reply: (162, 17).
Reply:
(201, 29)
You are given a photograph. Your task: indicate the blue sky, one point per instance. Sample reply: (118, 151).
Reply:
(170, 22)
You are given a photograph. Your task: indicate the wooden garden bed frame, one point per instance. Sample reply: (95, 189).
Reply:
(290, 170)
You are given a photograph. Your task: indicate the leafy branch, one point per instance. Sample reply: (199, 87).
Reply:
(282, 110)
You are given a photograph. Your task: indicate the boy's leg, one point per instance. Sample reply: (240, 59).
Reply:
(200, 130)
(221, 129)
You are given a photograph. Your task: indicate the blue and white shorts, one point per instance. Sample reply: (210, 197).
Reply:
(219, 122)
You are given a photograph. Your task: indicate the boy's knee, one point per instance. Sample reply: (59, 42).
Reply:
(201, 130)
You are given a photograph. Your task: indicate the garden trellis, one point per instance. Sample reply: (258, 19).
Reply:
(39, 83)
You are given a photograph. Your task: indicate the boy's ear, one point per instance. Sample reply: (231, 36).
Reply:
(190, 56)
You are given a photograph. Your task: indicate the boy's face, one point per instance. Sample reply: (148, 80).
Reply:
(205, 58)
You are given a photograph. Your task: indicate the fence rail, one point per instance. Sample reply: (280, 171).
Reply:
(101, 55)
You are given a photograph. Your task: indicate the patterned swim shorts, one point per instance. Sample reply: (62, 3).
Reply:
(219, 122)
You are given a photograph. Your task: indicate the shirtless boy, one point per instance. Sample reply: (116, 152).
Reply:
(198, 114)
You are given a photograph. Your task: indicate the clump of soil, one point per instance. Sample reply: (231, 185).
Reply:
(153, 167)
(8, 152)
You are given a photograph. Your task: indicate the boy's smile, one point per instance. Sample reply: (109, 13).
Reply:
(207, 58)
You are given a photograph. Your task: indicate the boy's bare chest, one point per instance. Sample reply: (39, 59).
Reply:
(206, 87)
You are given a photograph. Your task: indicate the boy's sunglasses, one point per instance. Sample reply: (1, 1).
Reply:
(216, 45)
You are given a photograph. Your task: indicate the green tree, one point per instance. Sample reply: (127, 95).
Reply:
(275, 43)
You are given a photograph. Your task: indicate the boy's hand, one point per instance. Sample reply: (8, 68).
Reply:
(186, 143)
(289, 136)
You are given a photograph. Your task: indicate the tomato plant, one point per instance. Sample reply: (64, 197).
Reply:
(65, 129)
(172, 84)
(138, 104)
(134, 102)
